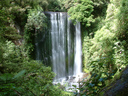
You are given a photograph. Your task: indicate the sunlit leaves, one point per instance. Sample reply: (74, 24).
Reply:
(36, 19)
(82, 12)
(105, 54)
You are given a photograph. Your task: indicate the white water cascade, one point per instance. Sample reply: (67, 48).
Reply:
(78, 52)
(60, 46)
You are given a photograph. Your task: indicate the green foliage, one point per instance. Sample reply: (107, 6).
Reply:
(67, 4)
(45, 4)
(55, 6)
(6, 29)
(105, 54)
(6, 85)
(36, 22)
(4, 3)
(100, 7)
(10, 52)
(36, 19)
(82, 12)
(100, 2)
(122, 31)
(21, 76)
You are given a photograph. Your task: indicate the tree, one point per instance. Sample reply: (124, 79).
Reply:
(82, 12)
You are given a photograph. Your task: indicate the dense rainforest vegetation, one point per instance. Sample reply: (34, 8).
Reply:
(104, 26)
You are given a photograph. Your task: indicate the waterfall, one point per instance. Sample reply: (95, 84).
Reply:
(78, 53)
(60, 45)
(70, 47)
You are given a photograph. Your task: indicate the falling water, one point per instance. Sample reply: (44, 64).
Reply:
(60, 45)
(78, 63)
(70, 47)
(58, 35)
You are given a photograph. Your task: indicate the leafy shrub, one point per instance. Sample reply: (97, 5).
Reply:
(36, 22)
(82, 12)
(36, 19)
(20, 75)
(105, 55)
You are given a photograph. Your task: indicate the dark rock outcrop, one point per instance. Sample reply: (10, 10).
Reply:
(118, 87)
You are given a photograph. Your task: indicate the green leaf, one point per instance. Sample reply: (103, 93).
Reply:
(21, 73)
(91, 85)
(6, 76)
(101, 79)
(74, 86)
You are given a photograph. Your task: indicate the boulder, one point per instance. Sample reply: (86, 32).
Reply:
(118, 87)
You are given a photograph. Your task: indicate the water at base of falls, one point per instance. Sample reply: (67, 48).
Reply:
(71, 83)
(60, 47)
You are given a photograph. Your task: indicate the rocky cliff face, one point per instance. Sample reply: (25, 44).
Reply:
(119, 87)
